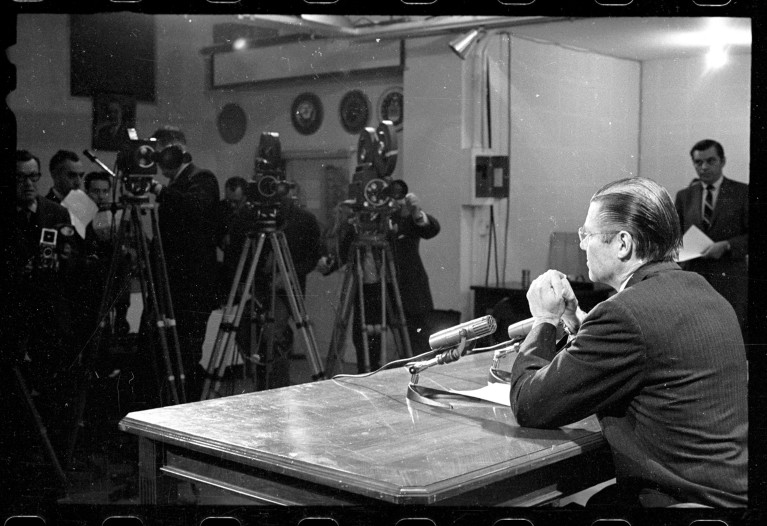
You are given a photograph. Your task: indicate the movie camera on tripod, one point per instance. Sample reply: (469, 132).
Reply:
(265, 193)
(371, 189)
(138, 160)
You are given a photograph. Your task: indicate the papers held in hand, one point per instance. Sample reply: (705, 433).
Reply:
(694, 243)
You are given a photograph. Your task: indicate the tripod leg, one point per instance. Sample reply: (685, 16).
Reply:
(38, 421)
(361, 306)
(345, 304)
(296, 300)
(88, 359)
(226, 328)
(230, 342)
(384, 302)
(400, 321)
(168, 316)
(160, 325)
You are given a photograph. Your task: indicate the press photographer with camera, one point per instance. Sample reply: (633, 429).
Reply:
(37, 310)
(187, 217)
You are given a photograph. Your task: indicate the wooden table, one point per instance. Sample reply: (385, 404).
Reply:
(358, 441)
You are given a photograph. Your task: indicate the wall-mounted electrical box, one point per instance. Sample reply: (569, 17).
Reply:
(491, 174)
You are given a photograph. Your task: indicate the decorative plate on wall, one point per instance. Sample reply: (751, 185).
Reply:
(232, 123)
(355, 111)
(306, 113)
(391, 107)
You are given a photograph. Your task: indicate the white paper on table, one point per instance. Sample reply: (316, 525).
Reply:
(497, 392)
(694, 243)
(81, 209)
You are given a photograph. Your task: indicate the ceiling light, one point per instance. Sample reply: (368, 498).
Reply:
(463, 44)
(716, 57)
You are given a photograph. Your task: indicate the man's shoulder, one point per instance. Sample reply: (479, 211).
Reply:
(53, 210)
(735, 186)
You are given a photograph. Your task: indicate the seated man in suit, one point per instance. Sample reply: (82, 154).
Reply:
(661, 363)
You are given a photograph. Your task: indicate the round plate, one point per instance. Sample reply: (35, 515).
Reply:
(355, 111)
(391, 107)
(232, 123)
(306, 113)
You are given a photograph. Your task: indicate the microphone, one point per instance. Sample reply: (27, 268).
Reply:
(520, 328)
(470, 330)
(96, 160)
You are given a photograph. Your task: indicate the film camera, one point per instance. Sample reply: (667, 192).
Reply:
(265, 193)
(57, 245)
(371, 189)
(138, 160)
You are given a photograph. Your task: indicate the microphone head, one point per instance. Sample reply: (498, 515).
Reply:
(470, 330)
(520, 329)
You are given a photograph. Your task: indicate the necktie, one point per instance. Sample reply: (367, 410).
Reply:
(708, 206)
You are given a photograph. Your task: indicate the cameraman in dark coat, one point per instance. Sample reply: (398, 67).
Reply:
(187, 217)
(407, 226)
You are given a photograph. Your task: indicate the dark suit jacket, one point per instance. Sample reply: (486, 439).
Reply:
(51, 196)
(729, 274)
(405, 239)
(663, 366)
(188, 217)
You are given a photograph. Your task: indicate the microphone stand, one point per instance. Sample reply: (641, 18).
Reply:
(421, 394)
(496, 374)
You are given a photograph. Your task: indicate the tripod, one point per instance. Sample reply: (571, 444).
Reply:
(156, 300)
(376, 245)
(225, 340)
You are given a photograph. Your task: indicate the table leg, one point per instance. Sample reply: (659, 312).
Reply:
(147, 471)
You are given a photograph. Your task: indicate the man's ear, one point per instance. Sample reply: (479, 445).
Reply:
(625, 245)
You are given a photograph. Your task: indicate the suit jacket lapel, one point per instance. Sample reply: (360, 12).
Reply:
(721, 199)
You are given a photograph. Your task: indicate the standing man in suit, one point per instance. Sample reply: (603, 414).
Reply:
(719, 207)
(36, 310)
(187, 217)
(661, 363)
(67, 174)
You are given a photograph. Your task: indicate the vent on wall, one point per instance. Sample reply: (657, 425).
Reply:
(306, 58)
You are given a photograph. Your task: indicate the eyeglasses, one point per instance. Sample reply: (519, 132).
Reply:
(583, 235)
(34, 176)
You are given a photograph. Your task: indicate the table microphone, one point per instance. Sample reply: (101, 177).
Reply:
(470, 330)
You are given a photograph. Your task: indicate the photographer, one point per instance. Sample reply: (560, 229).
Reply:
(187, 217)
(407, 226)
(37, 309)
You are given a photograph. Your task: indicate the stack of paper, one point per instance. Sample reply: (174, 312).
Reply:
(694, 243)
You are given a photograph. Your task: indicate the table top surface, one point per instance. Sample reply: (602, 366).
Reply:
(366, 436)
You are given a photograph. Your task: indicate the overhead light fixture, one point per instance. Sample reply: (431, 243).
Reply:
(716, 57)
(463, 44)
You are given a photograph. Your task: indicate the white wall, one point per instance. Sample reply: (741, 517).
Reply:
(575, 126)
(579, 120)
(683, 102)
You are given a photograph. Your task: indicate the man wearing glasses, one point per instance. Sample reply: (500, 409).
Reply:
(36, 314)
(67, 174)
(661, 363)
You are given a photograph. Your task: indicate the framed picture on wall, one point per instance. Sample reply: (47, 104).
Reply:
(113, 114)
